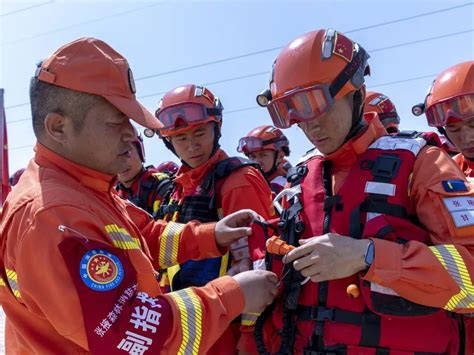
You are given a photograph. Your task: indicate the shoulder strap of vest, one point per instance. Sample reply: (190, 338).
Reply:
(406, 140)
(160, 185)
(224, 168)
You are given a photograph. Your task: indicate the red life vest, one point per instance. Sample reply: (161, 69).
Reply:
(148, 190)
(205, 206)
(373, 202)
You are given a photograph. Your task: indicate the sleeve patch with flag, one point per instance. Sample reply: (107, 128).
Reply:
(454, 185)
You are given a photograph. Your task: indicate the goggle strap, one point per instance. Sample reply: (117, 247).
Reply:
(214, 111)
(347, 73)
(388, 115)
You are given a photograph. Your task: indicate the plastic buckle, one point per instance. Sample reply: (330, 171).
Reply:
(323, 313)
(386, 166)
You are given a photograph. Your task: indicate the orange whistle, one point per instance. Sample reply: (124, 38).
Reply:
(353, 291)
(277, 246)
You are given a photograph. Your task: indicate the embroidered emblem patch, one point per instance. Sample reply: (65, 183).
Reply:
(454, 185)
(101, 270)
(343, 47)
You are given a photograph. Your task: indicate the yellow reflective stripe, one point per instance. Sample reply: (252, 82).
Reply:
(156, 206)
(121, 238)
(12, 279)
(220, 213)
(249, 319)
(454, 264)
(435, 251)
(190, 312)
(169, 244)
(224, 264)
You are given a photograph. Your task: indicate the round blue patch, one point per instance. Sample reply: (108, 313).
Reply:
(101, 270)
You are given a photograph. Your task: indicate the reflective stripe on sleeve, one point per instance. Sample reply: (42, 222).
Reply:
(169, 244)
(190, 312)
(452, 261)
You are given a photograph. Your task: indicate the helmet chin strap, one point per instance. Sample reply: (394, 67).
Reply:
(357, 114)
(274, 166)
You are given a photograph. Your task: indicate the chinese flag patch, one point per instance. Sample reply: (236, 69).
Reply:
(343, 47)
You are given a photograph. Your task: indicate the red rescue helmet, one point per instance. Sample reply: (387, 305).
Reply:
(311, 73)
(16, 176)
(186, 107)
(264, 137)
(168, 167)
(450, 97)
(385, 109)
(138, 141)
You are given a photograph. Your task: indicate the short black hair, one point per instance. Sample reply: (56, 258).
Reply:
(48, 98)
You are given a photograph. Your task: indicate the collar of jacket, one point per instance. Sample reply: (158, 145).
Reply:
(88, 177)
(190, 178)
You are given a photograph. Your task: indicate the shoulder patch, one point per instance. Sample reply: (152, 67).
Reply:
(454, 185)
(101, 270)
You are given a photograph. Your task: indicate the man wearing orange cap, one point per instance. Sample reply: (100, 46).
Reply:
(145, 186)
(385, 109)
(268, 146)
(449, 106)
(209, 186)
(383, 224)
(78, 263)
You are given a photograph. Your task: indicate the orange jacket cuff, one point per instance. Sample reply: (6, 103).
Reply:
(206, 233)
(387, 262)
(232, 296)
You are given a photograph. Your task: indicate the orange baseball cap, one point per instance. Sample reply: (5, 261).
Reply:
(90, 65)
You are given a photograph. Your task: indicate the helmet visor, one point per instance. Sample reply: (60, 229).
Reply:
(300, 105)
(455, 109)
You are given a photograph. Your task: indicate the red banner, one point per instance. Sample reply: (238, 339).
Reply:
(5, 188)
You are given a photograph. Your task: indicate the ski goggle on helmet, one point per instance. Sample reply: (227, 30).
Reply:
(263, 137)
(187, 106)
(450, 97)
(317, 68)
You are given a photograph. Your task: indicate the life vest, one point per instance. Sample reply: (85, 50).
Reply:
(203, 206)
(373, 202)
(148, 191)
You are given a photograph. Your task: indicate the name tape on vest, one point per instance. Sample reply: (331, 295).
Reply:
(381, 188)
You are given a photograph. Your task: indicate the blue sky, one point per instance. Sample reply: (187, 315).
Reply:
(159, 37)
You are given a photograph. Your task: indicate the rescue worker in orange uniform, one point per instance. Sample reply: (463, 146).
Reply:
(268, 146)
(209, 186)
(78, 262)
(383, 224)
(449, 106)
(385, 109)
(145, 186)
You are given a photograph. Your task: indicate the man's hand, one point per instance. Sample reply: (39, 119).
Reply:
(328, 257)
(234, 226)
(259, 289)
